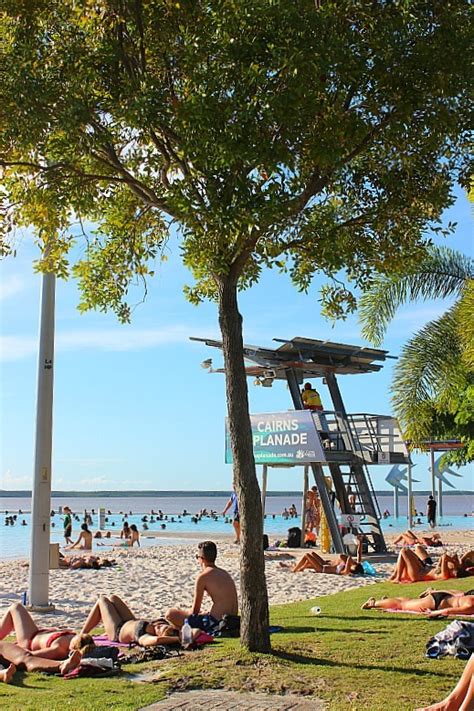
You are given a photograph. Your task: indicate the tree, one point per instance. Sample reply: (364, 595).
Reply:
(433, 383)
(309, 138)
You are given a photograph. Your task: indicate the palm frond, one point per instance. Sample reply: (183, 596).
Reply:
(429, 376)
(465, 319)
(442, 273)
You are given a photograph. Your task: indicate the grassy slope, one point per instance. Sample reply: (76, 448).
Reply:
(354, 659)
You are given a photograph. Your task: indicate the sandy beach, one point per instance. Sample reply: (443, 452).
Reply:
(155, 578)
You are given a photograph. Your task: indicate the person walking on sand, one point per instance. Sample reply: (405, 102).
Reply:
(67, 525)
(233, 502)
(220, 587)
(431, 511)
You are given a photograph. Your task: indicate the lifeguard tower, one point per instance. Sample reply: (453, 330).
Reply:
(352, 442)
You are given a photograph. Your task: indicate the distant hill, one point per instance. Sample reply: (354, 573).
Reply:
(186, 494)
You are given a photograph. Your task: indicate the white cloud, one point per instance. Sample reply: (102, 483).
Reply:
(91, 482)
(17, 347)
(421, 314)
(14, 348)
(15, 481)
(10, 286)
(126, 339)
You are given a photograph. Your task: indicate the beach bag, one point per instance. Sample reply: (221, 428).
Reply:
(229, 626)
(104, 652)
(150, 654)
(294, 537)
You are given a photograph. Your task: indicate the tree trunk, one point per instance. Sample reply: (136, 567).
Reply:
(254, 633)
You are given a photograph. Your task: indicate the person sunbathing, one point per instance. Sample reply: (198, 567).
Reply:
(344, 565)
(437, 603)
(84, 561)
(121, 625)
(415, 566)
(13, 657)
(50, 643)
(461, 697)
(410, 539)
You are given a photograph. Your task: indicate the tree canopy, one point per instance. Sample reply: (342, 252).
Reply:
(265, 130)
(317, 138)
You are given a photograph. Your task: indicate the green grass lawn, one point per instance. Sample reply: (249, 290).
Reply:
(353, 659)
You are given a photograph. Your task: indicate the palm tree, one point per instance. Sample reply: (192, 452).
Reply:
(433, 383)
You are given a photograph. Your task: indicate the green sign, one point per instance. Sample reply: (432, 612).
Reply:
(282, 438)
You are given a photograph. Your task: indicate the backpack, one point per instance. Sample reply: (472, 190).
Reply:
(229, 626)
(294, 537)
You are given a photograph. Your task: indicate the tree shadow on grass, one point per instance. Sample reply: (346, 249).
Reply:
(303, 659)
(321, 629)
(393, 617)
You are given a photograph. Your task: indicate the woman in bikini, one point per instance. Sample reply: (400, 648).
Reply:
(415, 566)
(13, 657)
(436, 603)
(121, 625)
(410, 539)
(50, 643)
(344, 565)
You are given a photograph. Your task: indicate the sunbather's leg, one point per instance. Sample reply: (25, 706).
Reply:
(6, 675)
(122, 608)
(17, 619)
(409, 566)
(308, 562)
(461, 697)
(103, 611)
(399, 603)
(21, 658)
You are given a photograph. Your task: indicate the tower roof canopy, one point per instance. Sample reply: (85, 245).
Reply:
(309, 357)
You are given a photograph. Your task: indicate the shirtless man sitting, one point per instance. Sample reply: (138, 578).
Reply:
(220, 587)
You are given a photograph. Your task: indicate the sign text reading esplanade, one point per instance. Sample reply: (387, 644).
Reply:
(279, 432)
(283, 438)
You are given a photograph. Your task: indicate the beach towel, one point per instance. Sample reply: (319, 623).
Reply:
(92, 670)
(101, 640)
(456, 640)
(417, 612)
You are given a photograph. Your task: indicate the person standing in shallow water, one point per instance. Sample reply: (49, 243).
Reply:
(233, 502)
(67, 525)
(431, 511)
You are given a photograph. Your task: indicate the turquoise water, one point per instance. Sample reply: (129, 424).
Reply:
(15, 540)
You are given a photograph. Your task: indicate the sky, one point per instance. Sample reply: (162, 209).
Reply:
(134, 410)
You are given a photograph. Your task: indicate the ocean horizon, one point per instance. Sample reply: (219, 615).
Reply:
(180, 493)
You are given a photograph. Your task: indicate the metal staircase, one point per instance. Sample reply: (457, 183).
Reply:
(357, 477)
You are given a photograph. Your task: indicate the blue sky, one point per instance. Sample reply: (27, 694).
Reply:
(133, 409)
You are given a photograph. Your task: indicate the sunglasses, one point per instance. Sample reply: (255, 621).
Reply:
(197, 556)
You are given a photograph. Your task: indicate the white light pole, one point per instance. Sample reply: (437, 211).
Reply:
(409, 493)
(41, 494)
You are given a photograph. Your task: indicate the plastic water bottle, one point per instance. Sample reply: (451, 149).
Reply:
(315, 610)
(186, 634)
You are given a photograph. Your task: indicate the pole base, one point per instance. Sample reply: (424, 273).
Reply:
(41, 608)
